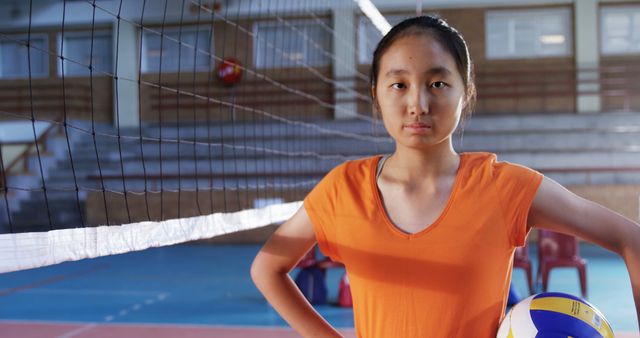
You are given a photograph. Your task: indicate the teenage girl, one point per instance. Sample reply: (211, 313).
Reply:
(427, 235)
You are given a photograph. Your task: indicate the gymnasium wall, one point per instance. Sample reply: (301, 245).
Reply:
(505, 86)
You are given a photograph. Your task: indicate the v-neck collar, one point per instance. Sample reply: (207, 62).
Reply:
(387, 220)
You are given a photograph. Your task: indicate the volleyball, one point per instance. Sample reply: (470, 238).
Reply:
(554, 314)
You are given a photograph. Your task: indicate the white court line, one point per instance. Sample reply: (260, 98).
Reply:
(78, 331)
(160, 296)
(92, 292)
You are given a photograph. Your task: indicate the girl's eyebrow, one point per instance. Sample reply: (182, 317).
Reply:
(432, 71)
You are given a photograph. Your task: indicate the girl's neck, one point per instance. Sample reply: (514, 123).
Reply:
(412, 165)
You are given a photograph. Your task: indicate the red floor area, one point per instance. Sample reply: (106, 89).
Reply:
(91, 330)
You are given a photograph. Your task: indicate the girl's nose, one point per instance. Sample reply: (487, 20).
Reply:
(419, 104)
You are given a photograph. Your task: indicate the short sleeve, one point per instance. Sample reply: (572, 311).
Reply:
(320, 205)
(517, 187)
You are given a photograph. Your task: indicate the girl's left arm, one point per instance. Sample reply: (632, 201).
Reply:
(556, 208)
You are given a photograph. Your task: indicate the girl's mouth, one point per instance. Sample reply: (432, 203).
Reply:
(417, 127)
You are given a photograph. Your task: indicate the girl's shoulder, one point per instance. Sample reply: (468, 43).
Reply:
(355, 169)
(357, 165)
(478, 163)
(479, 158)
(488, 163)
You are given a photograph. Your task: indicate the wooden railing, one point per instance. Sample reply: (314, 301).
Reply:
(550, 90)
(522, 90)
(556, 90)
(44, 98)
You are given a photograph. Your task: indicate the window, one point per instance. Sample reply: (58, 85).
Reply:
(15, 55)
(81, 49)
(620, 30)
(511, 34)
(302, 42)
(176, 49)
(369, 36)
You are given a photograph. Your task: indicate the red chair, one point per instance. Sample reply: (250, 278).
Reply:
(344, 291)
(559, 250)
(310, 259)
(521, 260)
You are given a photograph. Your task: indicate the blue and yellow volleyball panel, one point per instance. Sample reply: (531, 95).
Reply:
(558, 312)
(554, 314)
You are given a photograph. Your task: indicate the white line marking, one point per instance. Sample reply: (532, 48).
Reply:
(93, 292)
(78, 331)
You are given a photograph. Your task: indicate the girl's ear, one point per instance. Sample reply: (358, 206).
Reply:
(376, 106)
(469, 101)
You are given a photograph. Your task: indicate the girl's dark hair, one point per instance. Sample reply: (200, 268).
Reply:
(446, 35)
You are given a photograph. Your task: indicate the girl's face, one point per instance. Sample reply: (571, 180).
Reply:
(419, 92)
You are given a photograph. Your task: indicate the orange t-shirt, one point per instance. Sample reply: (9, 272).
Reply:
(449, 280)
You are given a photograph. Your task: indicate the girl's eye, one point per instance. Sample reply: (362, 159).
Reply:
(398, 86)
(438, 85)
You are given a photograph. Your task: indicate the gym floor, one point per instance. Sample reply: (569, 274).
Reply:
(198, 290)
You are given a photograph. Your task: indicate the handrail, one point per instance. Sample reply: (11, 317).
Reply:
(48, 99)
(25, 154)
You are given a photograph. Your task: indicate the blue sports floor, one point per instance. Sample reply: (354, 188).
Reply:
(208, 286)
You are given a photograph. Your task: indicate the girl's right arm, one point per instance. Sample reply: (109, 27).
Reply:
(270, 272)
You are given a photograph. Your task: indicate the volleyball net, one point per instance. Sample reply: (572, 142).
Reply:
(132, 124)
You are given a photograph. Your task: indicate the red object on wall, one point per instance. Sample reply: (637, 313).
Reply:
(229, 71)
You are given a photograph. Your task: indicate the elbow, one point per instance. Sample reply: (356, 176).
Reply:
(256, 270)
(262, 270)
(627, 243)
(630, 246)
